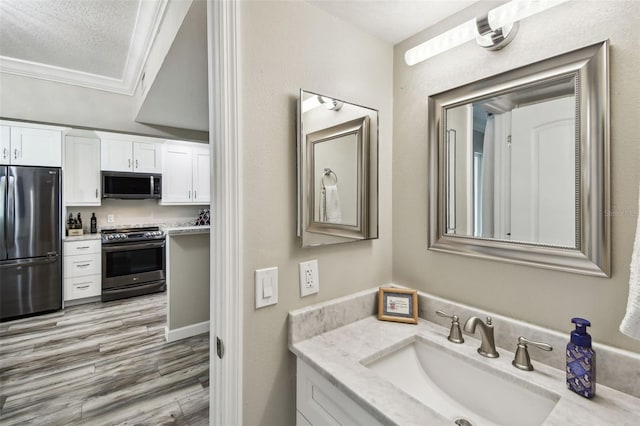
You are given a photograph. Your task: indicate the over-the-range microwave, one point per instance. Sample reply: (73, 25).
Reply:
(130, 185)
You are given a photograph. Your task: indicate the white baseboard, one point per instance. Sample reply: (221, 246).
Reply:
(184, 332)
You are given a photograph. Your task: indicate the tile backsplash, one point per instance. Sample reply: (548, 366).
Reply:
(135, 212)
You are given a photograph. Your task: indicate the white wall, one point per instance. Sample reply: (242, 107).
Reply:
(32, 99)
(285, 46)
(542, 297)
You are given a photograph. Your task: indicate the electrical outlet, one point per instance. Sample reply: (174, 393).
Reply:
(110, 218)
(309, 281)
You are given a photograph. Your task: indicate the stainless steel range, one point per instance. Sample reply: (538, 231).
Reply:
(133, 262)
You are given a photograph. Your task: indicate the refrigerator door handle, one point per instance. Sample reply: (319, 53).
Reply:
(3, 190)
(29, 262)
(11, 212)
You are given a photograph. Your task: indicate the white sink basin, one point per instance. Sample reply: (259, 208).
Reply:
(459, 388)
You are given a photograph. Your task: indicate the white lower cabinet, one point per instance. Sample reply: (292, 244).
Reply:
(319, 402)
(82, 269)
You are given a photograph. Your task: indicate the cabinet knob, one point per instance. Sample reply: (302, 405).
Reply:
(189, 195)
(96, 192)
(195, 194)
(5, 153)
(15, 153)
(129, 159)
(136, 164)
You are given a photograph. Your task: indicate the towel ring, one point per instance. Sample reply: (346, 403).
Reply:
(329, 174)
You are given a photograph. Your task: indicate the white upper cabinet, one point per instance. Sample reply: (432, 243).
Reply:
(5, 144)
(201, 176)
(25, 146)
(185, 174)
(176, 175)
(82, 171)
(146, 157)
(128, 156)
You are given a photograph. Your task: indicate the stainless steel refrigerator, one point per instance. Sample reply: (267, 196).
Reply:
(30, 241)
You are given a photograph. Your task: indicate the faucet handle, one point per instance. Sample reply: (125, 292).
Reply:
(522, 360)
(455, 334)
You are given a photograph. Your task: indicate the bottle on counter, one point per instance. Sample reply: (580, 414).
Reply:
(94, 224)
(70, 221)
(79, 221)
(581, 360)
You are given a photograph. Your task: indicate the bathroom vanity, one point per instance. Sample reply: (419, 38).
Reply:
(363, 371)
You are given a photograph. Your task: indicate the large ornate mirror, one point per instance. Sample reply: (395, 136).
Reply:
(337, 171)
(520, 165)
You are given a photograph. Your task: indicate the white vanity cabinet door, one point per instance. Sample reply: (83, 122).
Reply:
(116, 155)
(147, 157)
(201, 176)
(36, 147)
(5, 144)
(320, 403)
(82, 171)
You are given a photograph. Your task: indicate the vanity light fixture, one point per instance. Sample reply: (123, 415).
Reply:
(493, 31)
(316, 101)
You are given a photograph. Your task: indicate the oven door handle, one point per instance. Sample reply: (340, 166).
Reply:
(129, 246)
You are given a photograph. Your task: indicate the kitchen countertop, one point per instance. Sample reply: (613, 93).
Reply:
(338, 354)
(185, 229)
(84, 237)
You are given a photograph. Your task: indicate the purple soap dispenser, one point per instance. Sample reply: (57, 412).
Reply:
(581, 360)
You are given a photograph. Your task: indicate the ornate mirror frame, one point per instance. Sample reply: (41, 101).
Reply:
(591, 256)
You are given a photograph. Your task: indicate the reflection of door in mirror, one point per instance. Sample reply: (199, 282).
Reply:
(524, 173)
(513, 174)
(336, 178)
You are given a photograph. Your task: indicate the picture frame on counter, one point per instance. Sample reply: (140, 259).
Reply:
(398, 304)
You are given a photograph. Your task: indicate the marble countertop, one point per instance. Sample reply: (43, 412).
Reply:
(186, 229)
(338, 355)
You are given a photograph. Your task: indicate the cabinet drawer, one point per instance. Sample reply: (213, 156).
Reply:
(81, 287)
(82, 265)
(71, 248)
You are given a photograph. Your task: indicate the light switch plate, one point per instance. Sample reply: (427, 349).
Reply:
(266, 287)
(309, 281)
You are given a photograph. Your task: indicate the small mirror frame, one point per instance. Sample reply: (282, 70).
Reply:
(358, 127)
(311, 232)
(590, 66)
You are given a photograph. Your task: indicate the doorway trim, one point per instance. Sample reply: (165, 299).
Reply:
(225, 390)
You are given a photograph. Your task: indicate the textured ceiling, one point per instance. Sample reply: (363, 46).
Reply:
(91, 36)
(392, 20)
(100, 44)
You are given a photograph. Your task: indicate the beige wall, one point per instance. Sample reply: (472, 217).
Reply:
(187, 280)
(543, 297)
(285, 46)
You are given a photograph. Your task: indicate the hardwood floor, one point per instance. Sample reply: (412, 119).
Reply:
(102, 364)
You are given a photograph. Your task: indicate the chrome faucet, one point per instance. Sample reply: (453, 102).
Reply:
(487, 347)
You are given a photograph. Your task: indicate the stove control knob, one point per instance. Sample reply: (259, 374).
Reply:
(110, 237)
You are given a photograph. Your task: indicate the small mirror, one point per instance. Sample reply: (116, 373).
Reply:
(337, 171)
(520, 167)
